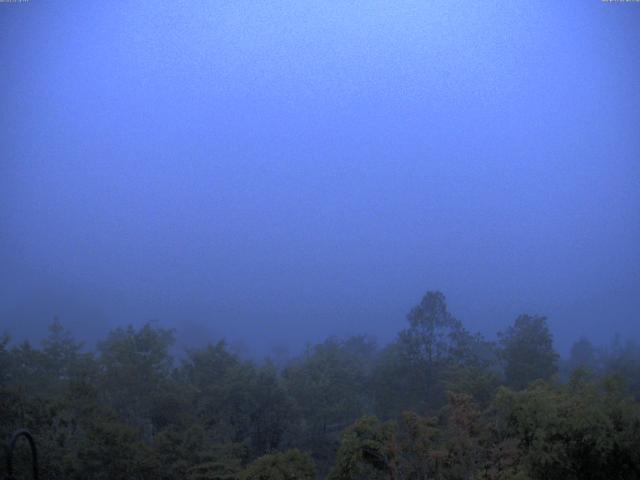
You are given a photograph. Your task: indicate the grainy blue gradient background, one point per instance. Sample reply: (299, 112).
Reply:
(276, 172)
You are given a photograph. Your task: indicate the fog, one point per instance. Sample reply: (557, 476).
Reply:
(275, 173)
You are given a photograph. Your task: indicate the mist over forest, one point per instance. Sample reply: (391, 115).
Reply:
(227, 230)
(436, 402)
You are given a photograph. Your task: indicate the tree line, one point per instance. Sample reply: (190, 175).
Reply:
(438, 402)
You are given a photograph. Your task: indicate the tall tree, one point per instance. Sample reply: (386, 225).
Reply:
(329, 384)
(583, 355)
(136, 365)
(433, 334)
(5, 359)
(61, 355)
(423, 353)
(527, 351)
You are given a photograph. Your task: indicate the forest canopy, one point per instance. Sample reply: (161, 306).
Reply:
(438, 402)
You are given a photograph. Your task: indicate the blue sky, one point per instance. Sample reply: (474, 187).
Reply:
(281, 171)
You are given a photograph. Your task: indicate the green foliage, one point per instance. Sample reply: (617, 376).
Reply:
(583, 355)
(5, 360)
(290, 465)
(329, 386)
(414, 446)
(433, 332)
(112, 450)
(464, 437)
(527, 351)
(235, 400)
(366, 451)
(575, 432)
(61, 354)
(135, 367)
(131, 411)
(212, 471)
(435, 354)
(623, 361)
(179, 453)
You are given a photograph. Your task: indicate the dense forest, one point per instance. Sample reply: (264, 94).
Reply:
(438, 402)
